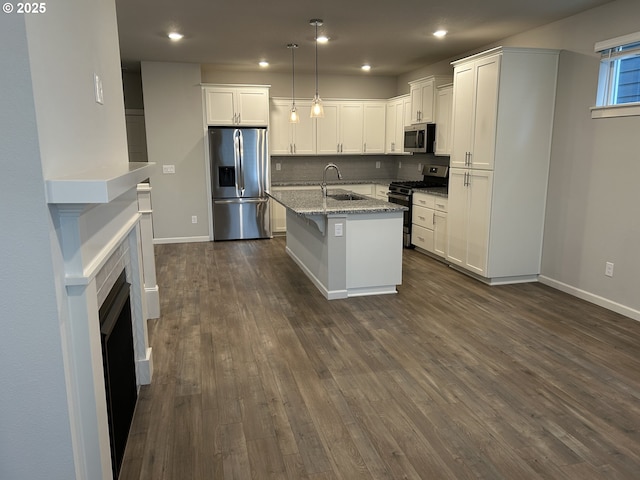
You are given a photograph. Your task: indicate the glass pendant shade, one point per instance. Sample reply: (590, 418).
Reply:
(317, 110)
(293, 115)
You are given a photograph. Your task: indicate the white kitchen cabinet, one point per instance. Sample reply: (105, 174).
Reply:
(341, 131)
(351, 127)
(475, 112)
(287, 138)
(469, 218)
(381, 192)
(374, 127)
(429, 223)
(236, 105)
(444, 104)
(423, 98)
(397, 110)
(503, 108)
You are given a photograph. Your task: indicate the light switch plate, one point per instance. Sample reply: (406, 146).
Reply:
(168, 169)
(97, 85)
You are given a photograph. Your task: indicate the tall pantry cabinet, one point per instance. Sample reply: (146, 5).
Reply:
(502, 118)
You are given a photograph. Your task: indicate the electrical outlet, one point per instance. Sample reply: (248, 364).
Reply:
(420, 167)
(338, 229)
(377, 164)
(194, 219)
(168, 169)
(278, 166)
(608, 269)
(399, 164)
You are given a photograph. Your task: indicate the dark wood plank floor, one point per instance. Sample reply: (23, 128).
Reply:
(257, 376)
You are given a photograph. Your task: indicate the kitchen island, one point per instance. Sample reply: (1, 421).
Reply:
(347, 244)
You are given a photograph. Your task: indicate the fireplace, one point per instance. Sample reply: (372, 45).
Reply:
(118, 360)
(104, 236)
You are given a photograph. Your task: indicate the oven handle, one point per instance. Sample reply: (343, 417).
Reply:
(396, 196)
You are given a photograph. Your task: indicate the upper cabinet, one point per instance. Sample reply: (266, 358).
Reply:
(475, 110)
(349, 127)
(287, 138)
(398, 109)
(444, 104)
(423, 98)
(374, 127)
(237, 105)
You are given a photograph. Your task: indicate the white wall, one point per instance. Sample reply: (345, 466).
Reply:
(175, 136)
(49, 126)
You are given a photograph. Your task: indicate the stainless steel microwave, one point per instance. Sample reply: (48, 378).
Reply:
(420, 138)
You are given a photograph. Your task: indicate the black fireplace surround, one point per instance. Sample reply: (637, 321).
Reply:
(119, 367)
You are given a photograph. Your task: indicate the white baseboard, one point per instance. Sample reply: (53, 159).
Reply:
(591, 297)
(144, 368)
(158, 241)
(153, 302)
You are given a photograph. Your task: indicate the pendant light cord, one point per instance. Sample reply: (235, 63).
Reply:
(316, 58)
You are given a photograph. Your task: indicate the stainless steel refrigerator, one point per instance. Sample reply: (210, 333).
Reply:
(240, 179)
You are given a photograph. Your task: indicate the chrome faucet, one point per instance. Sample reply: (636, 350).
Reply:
(323, 185)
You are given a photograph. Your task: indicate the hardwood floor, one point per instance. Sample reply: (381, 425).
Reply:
(258, 376)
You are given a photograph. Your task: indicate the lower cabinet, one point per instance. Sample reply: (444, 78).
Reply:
(429, 223)
(469, 218)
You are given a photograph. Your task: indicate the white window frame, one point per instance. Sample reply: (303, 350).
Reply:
(607, 80)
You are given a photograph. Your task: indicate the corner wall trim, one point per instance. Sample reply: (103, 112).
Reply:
(591, 297)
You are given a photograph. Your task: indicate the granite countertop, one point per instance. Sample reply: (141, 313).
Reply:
(310, 202)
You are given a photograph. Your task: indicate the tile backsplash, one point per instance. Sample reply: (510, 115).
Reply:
(352, 167)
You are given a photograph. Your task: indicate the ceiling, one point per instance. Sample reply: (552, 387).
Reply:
(394, 37)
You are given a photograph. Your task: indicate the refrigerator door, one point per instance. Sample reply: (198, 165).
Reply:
(239, 163)
(241, 219)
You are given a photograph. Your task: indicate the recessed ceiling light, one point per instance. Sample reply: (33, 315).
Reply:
(440, 33)
(175, 36)
(263, 63)
(366, 67)
(323, 39)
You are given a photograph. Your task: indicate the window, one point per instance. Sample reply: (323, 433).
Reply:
(619, 80)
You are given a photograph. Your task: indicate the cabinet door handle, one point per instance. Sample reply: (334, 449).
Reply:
(433, 221)
(294, 148)
(364, 147)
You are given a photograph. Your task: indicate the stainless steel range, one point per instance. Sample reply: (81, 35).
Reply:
(435, 180)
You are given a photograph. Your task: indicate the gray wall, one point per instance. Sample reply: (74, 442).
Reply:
(175, 136)
(329, 86)
(593, 196)
(50, 126)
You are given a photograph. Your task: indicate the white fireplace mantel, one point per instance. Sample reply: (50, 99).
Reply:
(98, 222)
(97, 186)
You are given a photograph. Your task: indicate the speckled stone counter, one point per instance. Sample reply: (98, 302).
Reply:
(310, 202)
(335, 242)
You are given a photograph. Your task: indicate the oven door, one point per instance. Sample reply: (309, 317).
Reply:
(405, 201)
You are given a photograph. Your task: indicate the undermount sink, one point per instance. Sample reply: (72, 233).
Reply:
(346, 196)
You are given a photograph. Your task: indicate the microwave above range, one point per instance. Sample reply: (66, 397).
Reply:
(420, 138)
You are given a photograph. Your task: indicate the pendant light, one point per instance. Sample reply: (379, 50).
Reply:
(317, 111)
(293, 114)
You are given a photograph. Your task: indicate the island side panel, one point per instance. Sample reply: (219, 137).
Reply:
(374, 253)
(320, 256)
